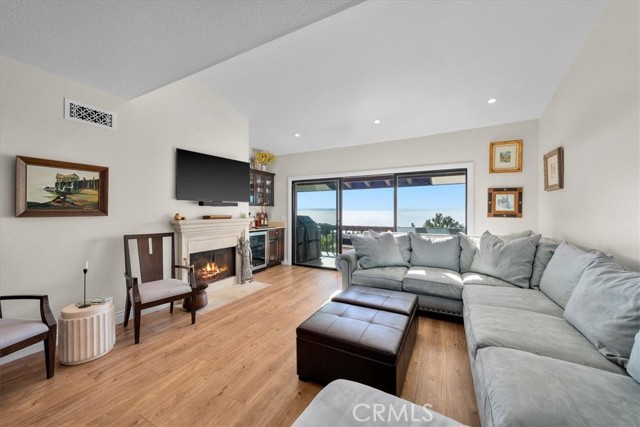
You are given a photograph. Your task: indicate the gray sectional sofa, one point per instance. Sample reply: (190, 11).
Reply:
(559, 347)
(437, 268)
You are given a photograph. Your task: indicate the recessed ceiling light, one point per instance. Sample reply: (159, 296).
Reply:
(376, 122)
(492, 100)
(297, 135)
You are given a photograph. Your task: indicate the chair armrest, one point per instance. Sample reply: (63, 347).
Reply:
(132, 283)
(45, 311)
(347, 263)
(192, 274)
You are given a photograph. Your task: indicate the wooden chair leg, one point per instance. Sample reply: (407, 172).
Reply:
(136, 325)
(193, 309)
(50, 352)
(127, 310)
(171, 307)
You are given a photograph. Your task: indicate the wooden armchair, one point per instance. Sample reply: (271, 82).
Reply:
(16, 334)
(154, 289)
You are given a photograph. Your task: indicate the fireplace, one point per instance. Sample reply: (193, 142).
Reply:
(211, 266)
(199, 236)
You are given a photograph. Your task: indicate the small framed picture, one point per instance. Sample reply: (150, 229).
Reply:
(505, 156)
(554, 170)
(52, 188)
(504, 202)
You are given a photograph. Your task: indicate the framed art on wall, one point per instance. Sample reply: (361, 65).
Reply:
(505, 156)
(504, 202)
(554, 170)
(53, 188)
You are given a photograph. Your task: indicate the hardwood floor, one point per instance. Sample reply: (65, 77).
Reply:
(235, 366)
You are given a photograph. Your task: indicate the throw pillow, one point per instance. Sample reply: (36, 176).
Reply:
(509, 260)
(469, 245)
(564, 271)
(633, 367)
(605, 308)
(435, 252)
(379, 251)
(402, 240)
(545, 250)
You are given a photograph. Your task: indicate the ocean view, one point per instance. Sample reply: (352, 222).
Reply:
(379, 217)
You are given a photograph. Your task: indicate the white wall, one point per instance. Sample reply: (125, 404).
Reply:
(455, 147)
(594, 115)
(46, 255)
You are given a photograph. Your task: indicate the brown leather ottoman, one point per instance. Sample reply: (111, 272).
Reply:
(344, 341)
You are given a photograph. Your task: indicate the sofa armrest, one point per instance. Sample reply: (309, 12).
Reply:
(347, 263)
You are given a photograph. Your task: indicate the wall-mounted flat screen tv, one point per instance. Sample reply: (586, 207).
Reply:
(210, 179)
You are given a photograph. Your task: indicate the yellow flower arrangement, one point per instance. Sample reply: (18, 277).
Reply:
(265, 158)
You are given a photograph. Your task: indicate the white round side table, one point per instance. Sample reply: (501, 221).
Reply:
(86, 333)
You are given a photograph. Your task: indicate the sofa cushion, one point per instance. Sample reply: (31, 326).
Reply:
(517, 388)
(564, 271)
(633, 367)
(605, 307)
(383, 277)
(377, 251)
(488, 326)
(402, 240)
(518, 298)
(433, 281)
(509, 260)
(435, 252)
(483, 279)
(469, 244)
(545, 250)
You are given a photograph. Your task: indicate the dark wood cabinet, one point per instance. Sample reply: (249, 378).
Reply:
(276, 246)
(261, 188)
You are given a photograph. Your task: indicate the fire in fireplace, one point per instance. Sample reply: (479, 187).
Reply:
(211, 266)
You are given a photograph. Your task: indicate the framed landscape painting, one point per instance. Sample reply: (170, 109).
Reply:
(505, 156)
(554, 170)
(504, 202)
(53, 188)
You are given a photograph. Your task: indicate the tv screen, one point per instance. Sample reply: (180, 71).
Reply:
(205, 178)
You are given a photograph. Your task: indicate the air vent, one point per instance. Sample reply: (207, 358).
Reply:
(84, 113)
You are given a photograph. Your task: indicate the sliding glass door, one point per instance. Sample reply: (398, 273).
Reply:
(326, 213)
(316, 221)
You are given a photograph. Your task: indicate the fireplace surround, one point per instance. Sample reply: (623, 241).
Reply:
(202, 235)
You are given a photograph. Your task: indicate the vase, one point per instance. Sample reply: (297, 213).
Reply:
(263, 167)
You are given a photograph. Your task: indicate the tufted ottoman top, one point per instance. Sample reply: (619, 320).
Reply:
(364, 331)
(382, 299)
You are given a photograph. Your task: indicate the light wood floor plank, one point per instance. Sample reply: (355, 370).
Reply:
(235, 367)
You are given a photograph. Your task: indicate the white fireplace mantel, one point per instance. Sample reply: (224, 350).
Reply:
(198, 235)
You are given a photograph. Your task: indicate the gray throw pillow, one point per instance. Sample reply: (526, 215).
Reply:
(545, 250)
(633, 367)
(509, 260)
(564, 271)
(435, 252)
(402, 240)
(605, 308)
(469, 245)
(379, 251)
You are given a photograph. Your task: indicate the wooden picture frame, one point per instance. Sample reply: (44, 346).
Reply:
(47, 188)
(505, 156)
(554, 169)
(504, 202)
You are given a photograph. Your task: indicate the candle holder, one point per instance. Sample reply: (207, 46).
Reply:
(84, 300)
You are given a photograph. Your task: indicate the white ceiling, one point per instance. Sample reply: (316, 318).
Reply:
(324, 69)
